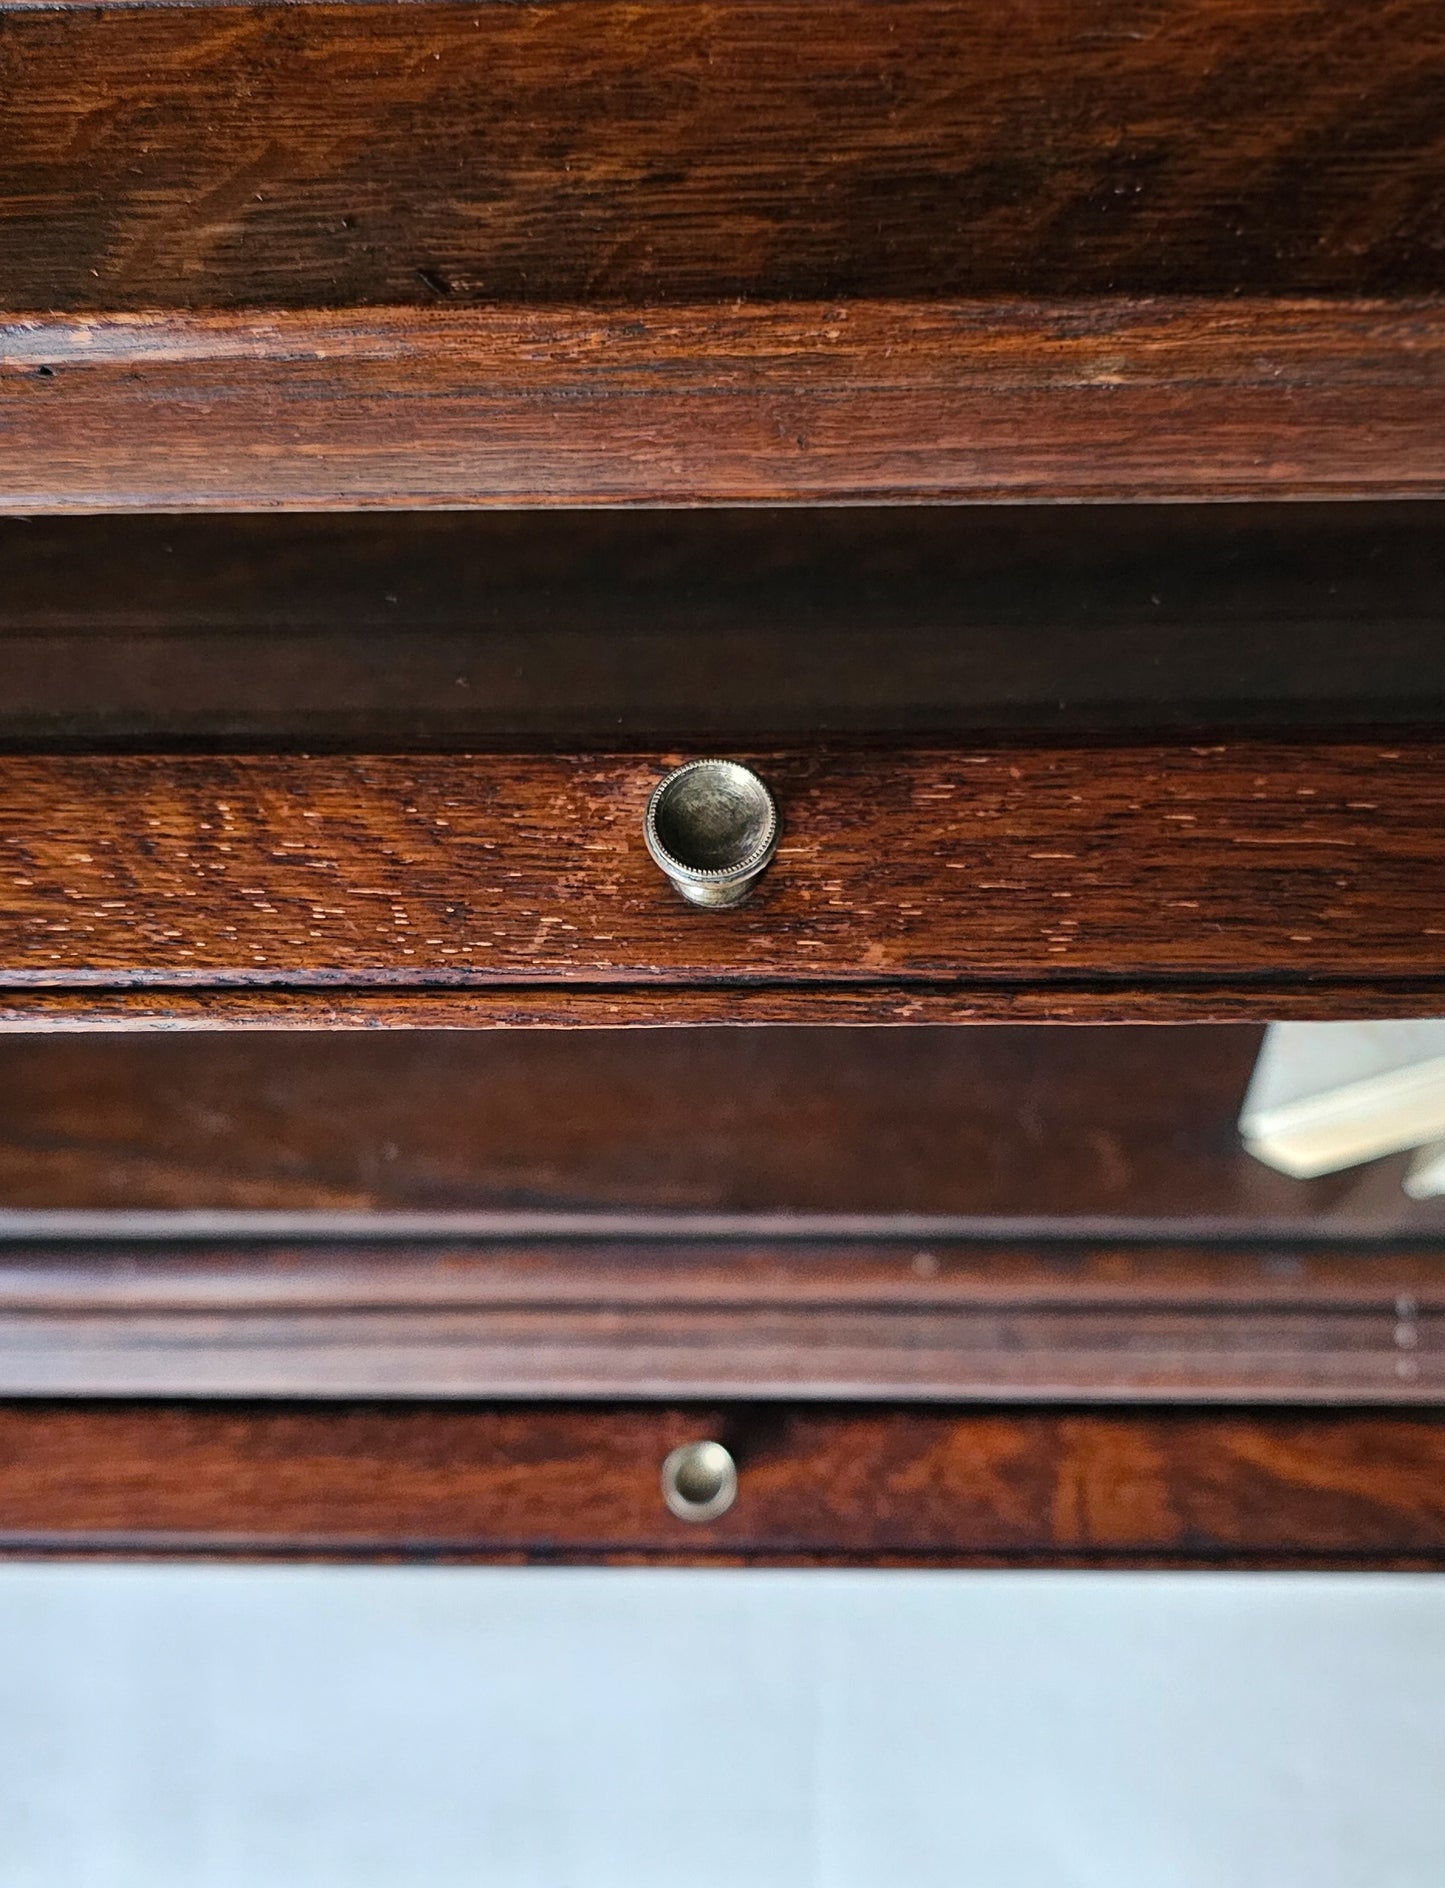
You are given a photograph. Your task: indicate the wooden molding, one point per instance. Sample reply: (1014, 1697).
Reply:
(657, 1319)
(864, 1004)
(794, 403)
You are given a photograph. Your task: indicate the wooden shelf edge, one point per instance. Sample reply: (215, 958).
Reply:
(789, 403)
(674, 1006)
(912, 1322)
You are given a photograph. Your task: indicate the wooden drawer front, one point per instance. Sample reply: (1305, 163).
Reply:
(368, 1480)
(1075, 876)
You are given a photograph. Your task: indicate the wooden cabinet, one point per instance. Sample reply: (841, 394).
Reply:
(1018, 434)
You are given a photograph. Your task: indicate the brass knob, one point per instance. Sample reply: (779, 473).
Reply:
(712, 826)
(699, 1481)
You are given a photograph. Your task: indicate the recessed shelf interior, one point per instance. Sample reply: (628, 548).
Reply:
(455, 630)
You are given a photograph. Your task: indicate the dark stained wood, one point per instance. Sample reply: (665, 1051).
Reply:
(945, 1274)
(1264, 867)
(789, 1319)
(344, 257)
(220, 156)
(794, 402)
(369, 1481)
(584, 1006)
(425, 629)
(772, 1134)
(801, 1213)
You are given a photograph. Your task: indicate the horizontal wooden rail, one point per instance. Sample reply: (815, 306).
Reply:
(920, 1322)
(763, 403)
(582, 1483)
(911, 884)
(579, 1006)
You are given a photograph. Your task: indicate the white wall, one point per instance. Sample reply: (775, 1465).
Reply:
(212, 1727)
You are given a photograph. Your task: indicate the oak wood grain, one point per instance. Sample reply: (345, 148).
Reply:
(923, 400)
(326, 155)
(1256, 866)
(566, 1483)
(783, 1319)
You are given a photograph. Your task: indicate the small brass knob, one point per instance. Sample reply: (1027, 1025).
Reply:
(699, 1481)
(712, 827)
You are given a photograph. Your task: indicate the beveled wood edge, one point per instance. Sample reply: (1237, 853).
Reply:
(857, 1263)
(139, 1549)
(675, 1005)
(911, 1321)
(801, 403)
